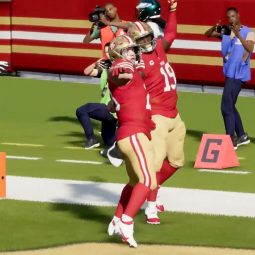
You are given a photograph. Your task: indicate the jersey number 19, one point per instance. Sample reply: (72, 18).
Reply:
(169, 76)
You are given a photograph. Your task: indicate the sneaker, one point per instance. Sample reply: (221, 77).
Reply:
(103, 152)
(115, 156)
(235, 143)
(152, 215)
(242, 140)
(92, 143)
(113, 227)
(126, 233)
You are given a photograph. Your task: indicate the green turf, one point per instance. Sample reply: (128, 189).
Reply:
(43, 112)
(29, 225)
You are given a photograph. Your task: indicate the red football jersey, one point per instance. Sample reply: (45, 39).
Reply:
(132, 103)
(160, 81)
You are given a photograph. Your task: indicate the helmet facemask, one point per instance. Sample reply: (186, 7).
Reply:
(146, 42)
(132, 53)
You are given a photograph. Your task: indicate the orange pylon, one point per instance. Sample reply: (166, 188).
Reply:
(2, 174)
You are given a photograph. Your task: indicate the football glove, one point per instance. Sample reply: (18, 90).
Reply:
(173, 5)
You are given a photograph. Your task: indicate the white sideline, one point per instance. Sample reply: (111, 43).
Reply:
(24, 144)
(107, 194)
(223, 171)
(79, 161)
(22, 157)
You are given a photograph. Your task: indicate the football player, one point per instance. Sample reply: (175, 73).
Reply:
(133, 136)
(160, 82)
(149, 11)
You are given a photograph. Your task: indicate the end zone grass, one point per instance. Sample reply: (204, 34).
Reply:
(43, 112)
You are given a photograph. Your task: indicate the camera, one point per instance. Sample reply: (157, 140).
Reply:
(105, 64)
(95, 15)
(223, 29)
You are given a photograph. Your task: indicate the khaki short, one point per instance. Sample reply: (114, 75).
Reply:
(139, 158)
(168, 140)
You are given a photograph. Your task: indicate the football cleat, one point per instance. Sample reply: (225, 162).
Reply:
(160, 207)
(152, 216)
(126, 232)
(113, 227)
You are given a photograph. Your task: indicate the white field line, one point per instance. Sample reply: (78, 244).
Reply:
(241, 158)
(24, 144)
(22, 157)
(107, 194)
(81, 148)
(80, 161)
(223, 171)
(74, 148)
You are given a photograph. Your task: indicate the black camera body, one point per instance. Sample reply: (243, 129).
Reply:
(223, 29)
(95, 15)
(105, 64)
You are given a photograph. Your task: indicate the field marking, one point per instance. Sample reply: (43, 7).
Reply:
(24, 144)
(81, 148)
(241, 158)
(223, 171)
(209, 202)
(74, 148)
(22, 157)
(80, 161)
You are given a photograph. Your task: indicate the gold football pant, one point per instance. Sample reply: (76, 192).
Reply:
(139, 158)
(168, 141)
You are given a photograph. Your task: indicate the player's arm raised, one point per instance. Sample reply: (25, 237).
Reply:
(121, 73)
(171, 26)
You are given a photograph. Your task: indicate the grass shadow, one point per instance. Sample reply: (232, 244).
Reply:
(64, 119)
(90, 192)
(197, 134)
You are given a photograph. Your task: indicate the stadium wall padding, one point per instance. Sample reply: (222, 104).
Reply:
(5, 31)
(46, 35)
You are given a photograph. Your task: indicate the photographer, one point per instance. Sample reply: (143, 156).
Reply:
(98, 111)
(237, 46)
(99, 30)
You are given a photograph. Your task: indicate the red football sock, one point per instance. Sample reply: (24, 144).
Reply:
(153, 195)
(124, 199)
(139, 194)
(165, 172)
